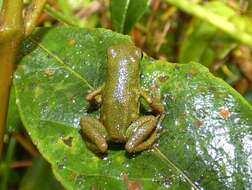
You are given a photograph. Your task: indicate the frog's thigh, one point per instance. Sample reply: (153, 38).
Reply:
(95, 132)
(141, 134)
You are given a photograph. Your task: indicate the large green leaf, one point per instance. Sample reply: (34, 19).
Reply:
(205, 141)
(125, 13)
(118, 11)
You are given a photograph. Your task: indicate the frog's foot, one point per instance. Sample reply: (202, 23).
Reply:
(95, 96)
(141, 134)
(95, 133)
(154, 103)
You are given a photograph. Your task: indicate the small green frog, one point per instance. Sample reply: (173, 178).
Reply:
(119, 99)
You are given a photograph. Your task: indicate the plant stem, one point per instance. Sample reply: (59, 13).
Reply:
(214, 19)
(21, 164)
(11, 21)
(11, 34)
(7, 164)
(26, 144)
(12, 31)
(59, 16)
(32, 15)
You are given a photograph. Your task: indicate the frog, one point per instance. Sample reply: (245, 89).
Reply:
(120, 120)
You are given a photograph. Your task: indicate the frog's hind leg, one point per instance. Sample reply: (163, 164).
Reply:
(141, 134)
(95, 133)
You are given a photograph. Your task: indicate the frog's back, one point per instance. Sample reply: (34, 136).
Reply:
(120, 97)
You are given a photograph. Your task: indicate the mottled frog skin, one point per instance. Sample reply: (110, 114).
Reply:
(120, 120)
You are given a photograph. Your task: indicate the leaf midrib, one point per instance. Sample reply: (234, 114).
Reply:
(65, 66)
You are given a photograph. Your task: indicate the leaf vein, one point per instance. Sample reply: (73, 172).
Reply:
(158, 153)
(65, 66)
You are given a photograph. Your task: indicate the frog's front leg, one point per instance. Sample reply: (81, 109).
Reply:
(156, 106)
(95, 96)
(96, 134)
(141, 134)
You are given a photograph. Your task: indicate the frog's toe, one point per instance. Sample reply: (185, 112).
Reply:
(129, 147)
(103, 147)
(94, 148)
(98, 147)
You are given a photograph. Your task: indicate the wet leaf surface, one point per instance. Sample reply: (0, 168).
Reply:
(205, 139)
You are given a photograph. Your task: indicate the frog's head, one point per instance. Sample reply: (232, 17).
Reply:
(124, 54)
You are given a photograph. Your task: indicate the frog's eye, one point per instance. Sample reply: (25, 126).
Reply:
(112, 52)
(138, 53)
(142, 55)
